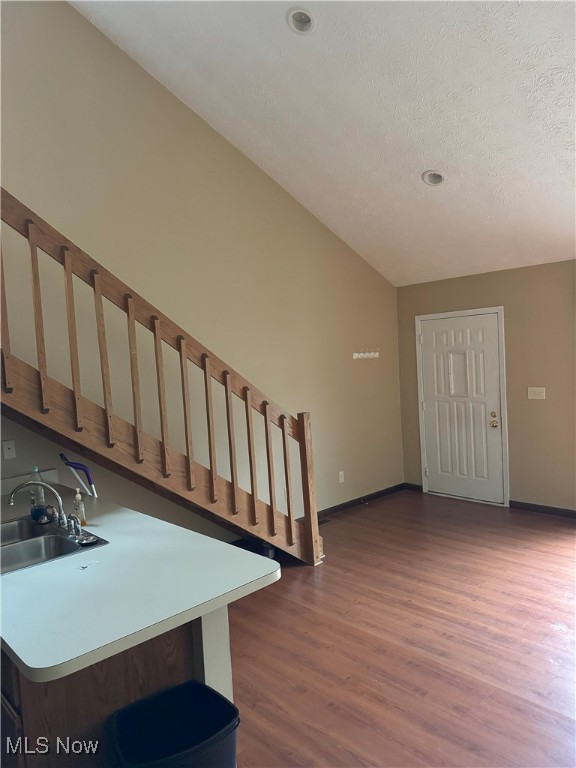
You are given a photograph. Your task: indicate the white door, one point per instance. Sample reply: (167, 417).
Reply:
(462, 405)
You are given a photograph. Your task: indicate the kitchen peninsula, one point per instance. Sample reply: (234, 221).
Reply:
(86, 634)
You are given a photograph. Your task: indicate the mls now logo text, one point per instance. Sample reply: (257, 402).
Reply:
(41, 746)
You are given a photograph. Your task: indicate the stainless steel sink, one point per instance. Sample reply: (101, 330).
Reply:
(20, 530)
(34, 551)
(25, 543)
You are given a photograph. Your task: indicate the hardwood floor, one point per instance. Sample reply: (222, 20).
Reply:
(436, 633)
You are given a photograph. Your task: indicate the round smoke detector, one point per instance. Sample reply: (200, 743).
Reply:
(433, 178)
(300, 20)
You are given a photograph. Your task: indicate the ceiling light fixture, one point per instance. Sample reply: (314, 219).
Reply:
(299, 20)
(433, 178)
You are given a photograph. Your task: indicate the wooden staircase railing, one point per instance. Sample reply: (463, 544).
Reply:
(31, 394)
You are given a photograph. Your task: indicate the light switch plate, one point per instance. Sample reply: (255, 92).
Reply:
(536, 393)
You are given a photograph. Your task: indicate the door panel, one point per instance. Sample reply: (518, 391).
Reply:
(460, 369)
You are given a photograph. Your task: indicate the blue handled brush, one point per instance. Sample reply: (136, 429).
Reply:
(73, 466)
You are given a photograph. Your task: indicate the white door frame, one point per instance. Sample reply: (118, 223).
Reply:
(499, 312)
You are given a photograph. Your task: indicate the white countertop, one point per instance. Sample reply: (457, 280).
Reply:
(69, 613)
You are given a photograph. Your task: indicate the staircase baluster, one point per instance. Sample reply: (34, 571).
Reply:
(271, 476)
(73, 339)
(6, 361)
(251, 453)
(187, 413)
(166, 470)
(313, 538)
(135, 377)
(38, 319)
(288, 479)
(104, 365)
(210, 420)
(231, 441)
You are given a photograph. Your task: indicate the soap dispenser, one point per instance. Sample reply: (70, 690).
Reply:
(79, 507)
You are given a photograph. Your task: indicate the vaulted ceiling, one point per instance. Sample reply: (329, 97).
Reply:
(348, 117)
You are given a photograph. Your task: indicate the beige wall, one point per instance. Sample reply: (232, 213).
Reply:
(109, 157)
(539, 320)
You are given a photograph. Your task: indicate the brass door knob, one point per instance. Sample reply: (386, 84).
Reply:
(494, 423)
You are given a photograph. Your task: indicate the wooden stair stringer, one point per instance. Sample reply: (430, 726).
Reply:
(25, 400)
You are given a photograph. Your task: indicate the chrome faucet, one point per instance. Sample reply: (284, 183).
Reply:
(74, 527)
(75, 532)
(59, 514)
(60, 517)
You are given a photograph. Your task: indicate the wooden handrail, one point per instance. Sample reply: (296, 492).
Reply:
(36, 396)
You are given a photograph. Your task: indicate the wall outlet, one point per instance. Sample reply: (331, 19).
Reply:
(341, 476)
(536, 393)
(9, 449)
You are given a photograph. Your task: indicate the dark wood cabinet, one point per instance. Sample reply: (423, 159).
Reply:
(55, 718)
(12, 733)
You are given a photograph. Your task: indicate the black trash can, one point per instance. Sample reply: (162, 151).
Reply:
(189, 726)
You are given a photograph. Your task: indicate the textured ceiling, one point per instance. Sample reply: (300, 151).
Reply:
(347, 118)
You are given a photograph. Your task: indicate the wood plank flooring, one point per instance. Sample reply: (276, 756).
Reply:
(436, 633)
